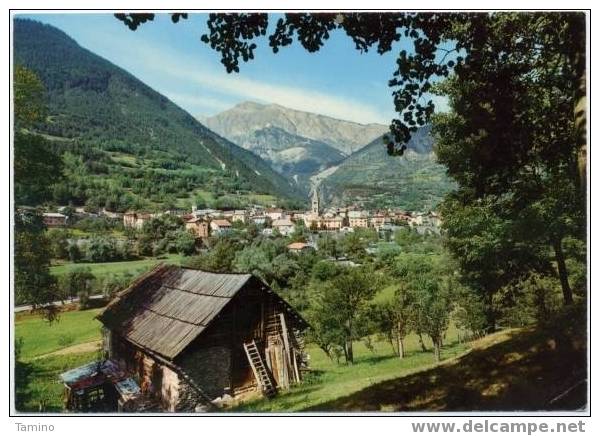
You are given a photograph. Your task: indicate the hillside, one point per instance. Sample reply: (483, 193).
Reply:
(371, 177)
(516, 370)
(124, 142)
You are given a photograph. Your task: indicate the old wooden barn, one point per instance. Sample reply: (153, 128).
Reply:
(193, 339)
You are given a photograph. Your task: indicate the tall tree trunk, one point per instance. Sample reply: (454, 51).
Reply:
(400, 347)
(423, 347)
(437, 349)
(562, 272)
(349, 351)
(490, 314)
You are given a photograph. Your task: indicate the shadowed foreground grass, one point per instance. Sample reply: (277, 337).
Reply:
(520, 369)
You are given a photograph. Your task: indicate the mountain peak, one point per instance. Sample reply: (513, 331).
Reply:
(248, 116)
(249, 105)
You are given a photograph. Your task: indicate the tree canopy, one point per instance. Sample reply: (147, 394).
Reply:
(442, 44)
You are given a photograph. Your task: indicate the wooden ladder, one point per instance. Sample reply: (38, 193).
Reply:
(259, 369)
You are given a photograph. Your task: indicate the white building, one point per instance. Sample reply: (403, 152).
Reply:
(284, 226)
(220, 226)
(274, 214)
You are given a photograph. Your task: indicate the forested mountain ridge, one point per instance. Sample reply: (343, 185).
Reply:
(125, 144)
(371, 177)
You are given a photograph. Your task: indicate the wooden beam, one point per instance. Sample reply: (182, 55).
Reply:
(286, 342)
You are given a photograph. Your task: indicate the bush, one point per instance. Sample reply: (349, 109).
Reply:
(84, 299)
(75, 281)
(66, 339)
(101, 249)
(185, 243)
(113, 284)
(534, 299)
(74, 252)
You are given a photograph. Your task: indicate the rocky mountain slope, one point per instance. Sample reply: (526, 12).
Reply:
(297, 144)
(236, 124)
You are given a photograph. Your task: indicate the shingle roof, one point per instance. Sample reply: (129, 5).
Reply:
(166, 309)
(282, 222)
(222, 223)
(297, 245)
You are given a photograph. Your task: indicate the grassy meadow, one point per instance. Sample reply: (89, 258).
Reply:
(103, 269)
(38, 337)
(50, 349)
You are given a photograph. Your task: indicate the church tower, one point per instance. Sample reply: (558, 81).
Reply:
(315, 202)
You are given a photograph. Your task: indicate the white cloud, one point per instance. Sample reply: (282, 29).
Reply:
(234, 85)
(198, 102)
(214, 81)
(296, 98)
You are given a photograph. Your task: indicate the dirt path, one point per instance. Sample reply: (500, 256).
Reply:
(85, 347)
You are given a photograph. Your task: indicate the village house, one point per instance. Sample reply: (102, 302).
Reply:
(401, 217)
(198, 226)
(311, 220)
(54, 219)
(358, 219)
(110, 214)
(426, 223)
(259, 220)
(187, 340)
(299, 247)
(275, 213)
(202, 213)
(331, 222)
(435, 219)
(220, 226)
(378, 221)
(239, 215)
(297, 216)
(135, 220)
(267, 231)
(284, 226)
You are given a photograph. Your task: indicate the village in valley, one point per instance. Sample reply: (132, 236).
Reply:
(270, 221)
(216, 240)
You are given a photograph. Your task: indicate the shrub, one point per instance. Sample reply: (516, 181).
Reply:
(66, 339)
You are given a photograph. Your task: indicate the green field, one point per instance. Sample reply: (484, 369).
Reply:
(37, 372)
(134, 267)
(40, 337)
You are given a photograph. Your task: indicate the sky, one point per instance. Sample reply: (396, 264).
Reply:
(337, 81)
